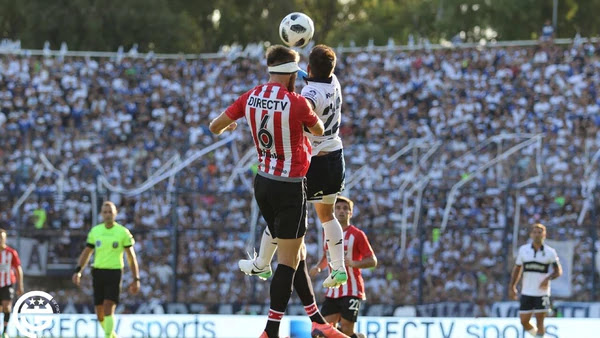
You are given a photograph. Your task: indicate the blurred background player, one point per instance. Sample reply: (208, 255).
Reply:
(10, 273)
(343, 303)
(108, 240)
(277, 117)
(534, 261)
(325, 177)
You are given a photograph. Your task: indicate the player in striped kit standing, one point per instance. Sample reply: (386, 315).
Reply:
(343, 303)
(10, 273)
(277, 117)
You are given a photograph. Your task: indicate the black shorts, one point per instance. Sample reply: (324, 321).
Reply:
(347, 307)
(534, 304)
(283, 206)
(107, 285)
(7, 292)
(326, 175)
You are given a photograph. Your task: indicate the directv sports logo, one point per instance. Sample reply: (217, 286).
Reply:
(33, 312)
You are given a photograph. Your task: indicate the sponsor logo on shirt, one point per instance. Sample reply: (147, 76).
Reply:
(535, 267)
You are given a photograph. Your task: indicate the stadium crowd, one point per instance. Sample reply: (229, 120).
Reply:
(124, 119)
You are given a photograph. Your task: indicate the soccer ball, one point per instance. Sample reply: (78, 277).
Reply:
(296, 29)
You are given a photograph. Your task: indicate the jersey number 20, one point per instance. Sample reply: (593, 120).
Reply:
(333, 107)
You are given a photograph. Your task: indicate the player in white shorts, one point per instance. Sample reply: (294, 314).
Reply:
(534, 261)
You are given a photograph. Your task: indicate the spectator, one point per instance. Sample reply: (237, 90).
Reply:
(125, 120)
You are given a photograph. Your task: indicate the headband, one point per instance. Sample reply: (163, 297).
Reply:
(284, 68)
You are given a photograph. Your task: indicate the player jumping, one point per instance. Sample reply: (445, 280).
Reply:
(325, 177)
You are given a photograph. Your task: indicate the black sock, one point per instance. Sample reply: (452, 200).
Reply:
(354, 335)
(306, 294)
(280, 292)
(6, 320)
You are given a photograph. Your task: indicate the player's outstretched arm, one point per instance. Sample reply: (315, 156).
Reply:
(84, 258)
(514, 279)
(134, 287)
(222, 123)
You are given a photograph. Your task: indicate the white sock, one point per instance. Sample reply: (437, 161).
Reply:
(268, 246)
(532, 332)
(539, 336)
(334, 237)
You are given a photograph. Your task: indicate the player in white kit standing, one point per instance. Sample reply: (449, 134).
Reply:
(534, 261)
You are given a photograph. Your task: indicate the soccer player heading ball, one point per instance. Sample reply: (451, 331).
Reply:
(326, 175)
(277, 117)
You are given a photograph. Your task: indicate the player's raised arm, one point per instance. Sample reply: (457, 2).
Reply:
(222, 123)
(226, 120)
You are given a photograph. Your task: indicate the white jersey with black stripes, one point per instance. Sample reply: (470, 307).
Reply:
(536, 266)
(326, 97)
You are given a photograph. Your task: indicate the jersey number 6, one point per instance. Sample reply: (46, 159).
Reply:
(264, 135)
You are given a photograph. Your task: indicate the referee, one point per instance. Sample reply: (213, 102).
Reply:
(109, 239)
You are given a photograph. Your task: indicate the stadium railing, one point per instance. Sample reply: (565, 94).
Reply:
(227, 51)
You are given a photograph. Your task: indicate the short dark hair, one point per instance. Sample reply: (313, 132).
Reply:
(321, 61)
(279, 54)
(341, 198)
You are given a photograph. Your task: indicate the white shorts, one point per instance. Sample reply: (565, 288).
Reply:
(327, 199)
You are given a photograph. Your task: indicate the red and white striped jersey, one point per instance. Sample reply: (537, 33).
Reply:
(277, 118)
(357, 245)
(9, 260)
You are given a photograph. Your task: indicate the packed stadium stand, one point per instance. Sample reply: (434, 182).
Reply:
(415, 124)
